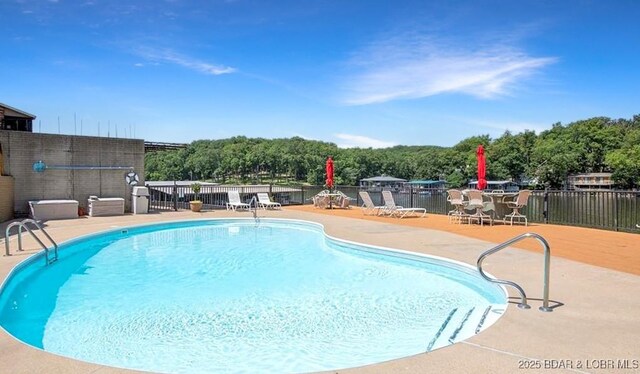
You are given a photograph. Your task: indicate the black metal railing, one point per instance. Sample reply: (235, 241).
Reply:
(174, 197)
(611, 210)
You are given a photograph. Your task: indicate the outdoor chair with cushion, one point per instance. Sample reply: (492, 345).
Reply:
(518, 203)
(265, 203)
(477, 202)
(368, 207)
(235, 202)
(397, 211)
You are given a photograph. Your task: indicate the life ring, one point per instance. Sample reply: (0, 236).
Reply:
(131, 178)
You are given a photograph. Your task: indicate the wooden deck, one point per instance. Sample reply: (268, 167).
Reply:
(609, 249)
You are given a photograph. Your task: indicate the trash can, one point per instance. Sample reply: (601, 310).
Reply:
(140, 200)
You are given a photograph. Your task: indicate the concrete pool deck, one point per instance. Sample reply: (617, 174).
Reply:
(596, 330)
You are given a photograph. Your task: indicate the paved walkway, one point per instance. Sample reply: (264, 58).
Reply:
(595, 331)
(610, 249)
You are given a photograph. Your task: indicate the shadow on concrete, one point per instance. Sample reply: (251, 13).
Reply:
(553, 304)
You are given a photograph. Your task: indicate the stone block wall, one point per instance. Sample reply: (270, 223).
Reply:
(22, 149)
(6, 198)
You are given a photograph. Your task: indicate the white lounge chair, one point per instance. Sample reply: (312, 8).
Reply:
(235, 202)
(368, 207)
(265, 203)
(397, 211)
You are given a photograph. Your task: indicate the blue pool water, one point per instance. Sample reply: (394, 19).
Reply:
(236, 296)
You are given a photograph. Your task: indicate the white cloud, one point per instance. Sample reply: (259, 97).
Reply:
(414, 67)
(360, 141)
(167, 55)
(138, 65)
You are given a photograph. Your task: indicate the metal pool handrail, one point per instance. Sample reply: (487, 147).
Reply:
(252, 202)
(23, 224)
(547, 260)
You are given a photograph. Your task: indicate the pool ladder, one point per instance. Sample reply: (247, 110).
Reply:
(24, 225)
(254, 203)
(547, 260)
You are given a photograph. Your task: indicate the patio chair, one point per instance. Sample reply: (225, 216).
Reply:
(343, 200)
(321, 201)
(518, 203)
(235, 202)
(368, 207)
(477, 202)
(456, 199)
(265, 203)
(397, 211)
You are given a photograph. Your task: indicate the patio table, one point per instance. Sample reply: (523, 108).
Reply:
(500, 200)
(332, 199)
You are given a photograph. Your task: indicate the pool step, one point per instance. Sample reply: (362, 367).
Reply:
(442, 328)
(455, 333)
(460, 324)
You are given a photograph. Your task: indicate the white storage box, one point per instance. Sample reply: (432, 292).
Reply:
(109, 206)
(53, 209)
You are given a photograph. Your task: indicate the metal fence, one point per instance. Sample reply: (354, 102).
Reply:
(611, 210)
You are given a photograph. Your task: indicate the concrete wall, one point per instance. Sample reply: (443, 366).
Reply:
(6, 198)
(22, 149)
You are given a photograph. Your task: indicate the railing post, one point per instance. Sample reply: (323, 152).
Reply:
(174, 195)
(545, 206)
(411, 198)
(302, 194)
(615, 209)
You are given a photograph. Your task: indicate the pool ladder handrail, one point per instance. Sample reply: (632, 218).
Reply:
(24, 225)
(547, 260)
(254, 203)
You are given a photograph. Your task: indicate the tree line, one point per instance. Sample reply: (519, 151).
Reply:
(597, 144)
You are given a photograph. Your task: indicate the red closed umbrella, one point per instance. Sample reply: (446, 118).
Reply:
(482, 168)
(329, 169)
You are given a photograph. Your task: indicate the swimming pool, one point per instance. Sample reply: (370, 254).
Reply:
(233, 295)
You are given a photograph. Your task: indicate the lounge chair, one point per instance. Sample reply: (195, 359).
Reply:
(518, 203)
(477, 202)
(265, 203)
(368, 208)
(397, 211)
(235, 202)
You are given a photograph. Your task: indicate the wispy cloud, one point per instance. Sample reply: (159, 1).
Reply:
(172, 57)
(360, 141)
(410, 67)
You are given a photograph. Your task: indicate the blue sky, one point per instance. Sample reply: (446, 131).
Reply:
(356, 73)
